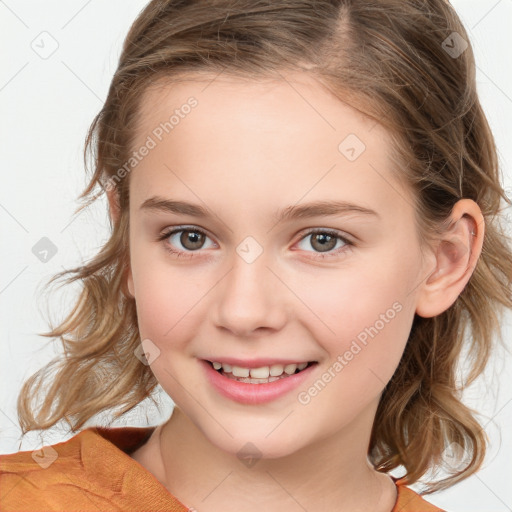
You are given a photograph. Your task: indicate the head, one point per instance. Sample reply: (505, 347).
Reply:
(289, 106)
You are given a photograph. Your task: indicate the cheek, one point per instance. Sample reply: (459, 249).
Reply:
(166, 313)
(365, 314)
(371, 325)
(170, 301)
(155, 295)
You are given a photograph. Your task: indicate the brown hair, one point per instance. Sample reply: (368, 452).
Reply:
(387, 59)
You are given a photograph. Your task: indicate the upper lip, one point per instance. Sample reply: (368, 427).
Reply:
(257, 362)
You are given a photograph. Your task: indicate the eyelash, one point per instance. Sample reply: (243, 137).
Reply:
(190, 254)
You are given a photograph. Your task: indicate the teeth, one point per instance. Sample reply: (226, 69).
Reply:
(240, 372)
(260, 373)
(264, 372)
(276, 370)
(256, 381)
(290, 368)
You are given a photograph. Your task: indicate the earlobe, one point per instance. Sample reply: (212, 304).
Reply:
(457, 253)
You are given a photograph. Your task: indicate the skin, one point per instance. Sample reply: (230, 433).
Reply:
(246, 150)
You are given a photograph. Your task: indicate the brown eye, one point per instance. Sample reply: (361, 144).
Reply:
(323, 241)
(192, 240)
(184, 242)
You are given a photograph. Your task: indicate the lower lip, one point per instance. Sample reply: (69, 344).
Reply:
(246, 393)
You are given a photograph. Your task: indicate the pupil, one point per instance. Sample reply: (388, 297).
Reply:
(191, 237)
(324, 240)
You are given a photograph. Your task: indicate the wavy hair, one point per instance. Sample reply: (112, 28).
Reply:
(398, 62)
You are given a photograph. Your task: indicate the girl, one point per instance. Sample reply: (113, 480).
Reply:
(305, 205)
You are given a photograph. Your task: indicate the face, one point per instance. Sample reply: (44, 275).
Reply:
(295, 244)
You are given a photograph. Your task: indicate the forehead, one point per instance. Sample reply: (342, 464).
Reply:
(268, 136)
(295, 101)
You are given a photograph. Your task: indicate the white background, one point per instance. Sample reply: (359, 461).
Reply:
(47, 105)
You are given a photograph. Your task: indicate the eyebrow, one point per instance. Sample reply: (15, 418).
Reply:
(302, 211)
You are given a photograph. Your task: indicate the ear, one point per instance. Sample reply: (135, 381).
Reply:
(456, 256)
(115, 211)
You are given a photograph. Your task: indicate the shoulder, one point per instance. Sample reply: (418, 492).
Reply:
(27, 477)
(410, 501)
(90, 471)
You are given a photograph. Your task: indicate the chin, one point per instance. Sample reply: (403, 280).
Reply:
(248, 448)
(258, 443)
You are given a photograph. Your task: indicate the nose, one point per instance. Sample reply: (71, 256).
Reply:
(250, 298)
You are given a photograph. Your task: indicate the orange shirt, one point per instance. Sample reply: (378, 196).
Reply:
(92, 471)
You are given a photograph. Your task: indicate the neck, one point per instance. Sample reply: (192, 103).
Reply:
(331, 475)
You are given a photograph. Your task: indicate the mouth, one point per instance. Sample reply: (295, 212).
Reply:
(257, 381)
(262, 374)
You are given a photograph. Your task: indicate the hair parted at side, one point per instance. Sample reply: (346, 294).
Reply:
(383, 57)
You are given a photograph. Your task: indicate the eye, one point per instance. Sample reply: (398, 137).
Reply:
(191, 239)
(324, 241)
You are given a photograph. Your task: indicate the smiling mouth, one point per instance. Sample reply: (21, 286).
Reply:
(262, 375)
